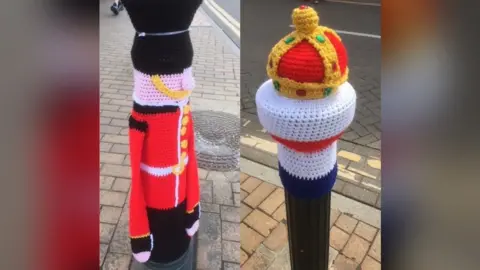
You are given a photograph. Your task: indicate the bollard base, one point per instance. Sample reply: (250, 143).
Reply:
(188, 261)
(308, 224)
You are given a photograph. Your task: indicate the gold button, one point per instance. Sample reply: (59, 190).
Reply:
(183, 131)
(185, 120)
(186, 109)
(184, 144)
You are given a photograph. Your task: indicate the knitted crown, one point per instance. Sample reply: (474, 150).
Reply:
(310, 62)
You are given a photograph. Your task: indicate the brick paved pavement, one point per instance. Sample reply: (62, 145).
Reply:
(264, 241)
(216, 68)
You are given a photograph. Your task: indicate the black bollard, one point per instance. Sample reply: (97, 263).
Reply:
(308, 222)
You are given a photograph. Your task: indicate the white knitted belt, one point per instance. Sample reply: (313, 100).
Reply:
(159, 171)
(305, 120)
(143, 34)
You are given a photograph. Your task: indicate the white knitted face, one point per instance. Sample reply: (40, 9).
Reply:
(305, 120)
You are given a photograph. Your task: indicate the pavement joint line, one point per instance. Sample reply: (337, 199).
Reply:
(358, 210)
(219, 31)
(355, 3)
(222, 15)
(351, 33)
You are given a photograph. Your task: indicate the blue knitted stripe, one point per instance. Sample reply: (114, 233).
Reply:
(308, 189)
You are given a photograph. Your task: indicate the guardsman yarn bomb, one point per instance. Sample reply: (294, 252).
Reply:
(165, 195)
(307, 104)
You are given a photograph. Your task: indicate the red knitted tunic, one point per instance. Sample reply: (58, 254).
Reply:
(164, 202)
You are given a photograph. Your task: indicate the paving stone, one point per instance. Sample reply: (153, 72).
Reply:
(216, 176)
(244, 211)
(338, 186)
(243, 195)
(121, 184)
(250, 184)
(107, 129)
(243, 177)
(222, 193)
(261, 259)
(376, 249)
(202, 174)
(366, 231)
(373, 185)
(250, 239)
(236, 199)
(363, 169)
(120, 149)
(210, 227)
(112, 198)
(360, 194)
(277, 240)
(109, 214)
(243, 256)
(338, 238)
(282, 261)
(259, 194)
(209, 207)
(111, 158)
(371, 264)
(121, 139)
(103, 252)
(346, 223)
(206, 191)
(280, 214)
(229, 213)
(231, 251)
(349, 155)
(106, 232)
(209, 255)
(236, 187)
(105, 147)
(230, 231)
(273, 201)
(106, 182)
(348, 176)
(233, 176)
(332, 255)
(334, 214)
(343, 263)
(115, 170)
(115, 261)
(260, 222)
(231, 266)
(356, 248)
(121, 242)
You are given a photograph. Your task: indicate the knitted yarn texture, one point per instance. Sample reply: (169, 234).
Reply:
(165, 193)
(307, 104)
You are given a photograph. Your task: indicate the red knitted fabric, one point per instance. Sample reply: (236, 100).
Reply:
(302, 63)
(307, 147)
(162, 204)
(341, 51)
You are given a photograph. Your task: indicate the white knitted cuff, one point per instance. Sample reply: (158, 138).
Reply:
(308, 165)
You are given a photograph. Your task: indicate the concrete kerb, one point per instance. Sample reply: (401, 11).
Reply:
(223, 20)
(360, 211)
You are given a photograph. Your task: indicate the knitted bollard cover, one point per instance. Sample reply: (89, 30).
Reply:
(307, 104)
